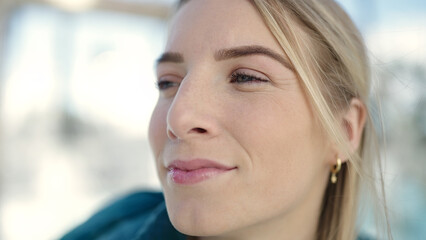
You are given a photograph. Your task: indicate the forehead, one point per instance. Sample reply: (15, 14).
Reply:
(216, 24)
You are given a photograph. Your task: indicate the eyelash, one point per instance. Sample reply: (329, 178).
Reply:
(236, 77)
(164, 84)
(247, 78)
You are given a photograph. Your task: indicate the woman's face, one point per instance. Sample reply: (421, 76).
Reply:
(237, 148)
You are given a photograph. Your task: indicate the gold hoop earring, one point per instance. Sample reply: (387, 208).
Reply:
(334, 170)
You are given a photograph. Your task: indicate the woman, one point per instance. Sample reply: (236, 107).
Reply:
(261, 128)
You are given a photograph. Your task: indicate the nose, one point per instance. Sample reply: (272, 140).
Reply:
(192, 111)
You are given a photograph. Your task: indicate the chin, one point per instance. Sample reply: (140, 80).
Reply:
(194, 218)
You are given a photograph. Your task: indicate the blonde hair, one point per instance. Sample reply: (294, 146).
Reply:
(328, 56)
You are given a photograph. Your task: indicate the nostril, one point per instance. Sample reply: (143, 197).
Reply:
(199, 130)
(171, 135)
(174, 136)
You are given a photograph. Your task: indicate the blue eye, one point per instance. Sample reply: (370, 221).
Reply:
(240, 78)
(164, 85)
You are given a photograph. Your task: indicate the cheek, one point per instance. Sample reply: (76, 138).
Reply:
(273, 127)
(283, 145)
(158, 128)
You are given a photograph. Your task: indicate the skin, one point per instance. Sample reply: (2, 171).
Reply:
(262, 125)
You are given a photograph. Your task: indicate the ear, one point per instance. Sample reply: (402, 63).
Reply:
(353, 122)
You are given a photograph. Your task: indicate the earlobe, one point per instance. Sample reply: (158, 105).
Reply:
(353, 122)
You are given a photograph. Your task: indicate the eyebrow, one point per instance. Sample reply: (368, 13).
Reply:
(172, 57)
(243, 51)
(225, 54)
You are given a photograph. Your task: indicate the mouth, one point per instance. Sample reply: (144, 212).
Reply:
(195, 171)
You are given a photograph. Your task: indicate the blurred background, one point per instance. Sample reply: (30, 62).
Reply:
(77, 90)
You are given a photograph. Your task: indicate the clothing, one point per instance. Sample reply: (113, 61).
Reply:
(138, 216)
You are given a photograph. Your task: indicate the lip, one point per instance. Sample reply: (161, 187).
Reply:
(195, 171)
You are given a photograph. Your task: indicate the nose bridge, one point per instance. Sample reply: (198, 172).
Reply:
(190, 113)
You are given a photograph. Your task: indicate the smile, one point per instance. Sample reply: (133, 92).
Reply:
(195, 171)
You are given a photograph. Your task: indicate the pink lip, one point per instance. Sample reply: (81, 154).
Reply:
(195, 171)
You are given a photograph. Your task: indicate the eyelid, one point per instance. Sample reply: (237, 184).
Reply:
(169, 77)
(166, 68)
(251, 72)
(167, 82)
